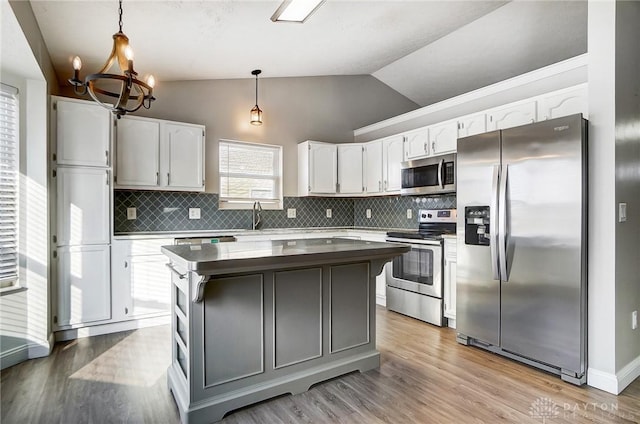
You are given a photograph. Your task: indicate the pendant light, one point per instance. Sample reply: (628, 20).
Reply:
(129, 92)
(256, 113)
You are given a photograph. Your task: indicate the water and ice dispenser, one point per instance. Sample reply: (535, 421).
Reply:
(476, 225)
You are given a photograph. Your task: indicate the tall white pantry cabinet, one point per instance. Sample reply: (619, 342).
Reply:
(81, 176)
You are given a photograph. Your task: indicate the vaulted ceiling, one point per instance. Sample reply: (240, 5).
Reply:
(426, 50)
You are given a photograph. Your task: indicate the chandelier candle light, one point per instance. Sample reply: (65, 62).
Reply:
(132, 94)
(256, 113)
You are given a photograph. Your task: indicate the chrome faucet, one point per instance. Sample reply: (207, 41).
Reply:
(257, 208)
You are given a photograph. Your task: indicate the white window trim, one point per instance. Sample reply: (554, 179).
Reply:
(245, 204)
(13, 285)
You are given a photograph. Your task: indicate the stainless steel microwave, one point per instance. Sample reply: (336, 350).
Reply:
(433, 175)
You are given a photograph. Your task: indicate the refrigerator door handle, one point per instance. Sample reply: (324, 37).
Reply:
(493, 219)
(502, 222)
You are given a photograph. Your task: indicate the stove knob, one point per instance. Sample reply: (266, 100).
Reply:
(430, 216)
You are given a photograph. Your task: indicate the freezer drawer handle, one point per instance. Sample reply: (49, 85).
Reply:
(493, 218)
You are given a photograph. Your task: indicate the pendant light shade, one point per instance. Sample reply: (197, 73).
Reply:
(121, 92)
(256, 113)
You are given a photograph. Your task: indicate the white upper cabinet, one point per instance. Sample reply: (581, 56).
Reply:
(138, 152)
(153, 154)
(185, 161)
(512, 115)
(471, 125)
(373, 167)
(564, 103)
(83, 133)
(443, 137)
(350, 168)
(392, 157)
(416, 144)
(83, 206)
(317, 168)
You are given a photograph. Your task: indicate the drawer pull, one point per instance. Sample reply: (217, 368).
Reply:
(175, 271)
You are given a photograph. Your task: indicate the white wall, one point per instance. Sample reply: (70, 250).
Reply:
(24, 315)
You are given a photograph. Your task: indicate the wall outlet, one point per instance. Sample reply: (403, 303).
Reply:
(194, 213)
(368, 213)
(132, 213)
(329, 213)
(634, 320)
(409, 213)
(291, 213)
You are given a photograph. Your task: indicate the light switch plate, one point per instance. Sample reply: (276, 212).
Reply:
(194, 213)
(622, 212)
(369, 213)
(329, 213)
(409, 213)
(132, 213)
(291, 213)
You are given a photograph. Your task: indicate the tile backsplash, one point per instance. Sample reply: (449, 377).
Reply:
(169, 211)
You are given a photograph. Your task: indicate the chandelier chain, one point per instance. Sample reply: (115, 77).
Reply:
(120, 13)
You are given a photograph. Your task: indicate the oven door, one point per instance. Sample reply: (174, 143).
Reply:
(418, 270)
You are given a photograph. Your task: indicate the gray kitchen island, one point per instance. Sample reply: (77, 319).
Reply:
(254, 320)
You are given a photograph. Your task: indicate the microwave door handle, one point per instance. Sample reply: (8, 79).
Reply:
(502, 218)
(493, 219)
(440, 170)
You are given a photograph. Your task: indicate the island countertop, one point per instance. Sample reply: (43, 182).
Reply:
(207, 259)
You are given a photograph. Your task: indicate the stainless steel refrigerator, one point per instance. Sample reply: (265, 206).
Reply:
(522, 220)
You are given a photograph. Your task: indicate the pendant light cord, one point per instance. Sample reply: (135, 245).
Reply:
(256, 89)
(120, 13)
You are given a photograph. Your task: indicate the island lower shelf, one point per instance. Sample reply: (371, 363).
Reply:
(240, 338)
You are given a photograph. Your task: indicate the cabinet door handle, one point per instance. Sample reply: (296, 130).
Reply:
(425, 146)
(106, 154)
(107, 177)
(126, 264)
(168, 178)
(126, 311)
(379, 185)
(385, 185)
(157, 178)
(433, 146)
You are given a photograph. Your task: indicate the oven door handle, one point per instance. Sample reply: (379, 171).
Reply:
(493, 221)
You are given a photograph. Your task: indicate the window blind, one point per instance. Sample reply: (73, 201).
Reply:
(9, 174)
(250, 172)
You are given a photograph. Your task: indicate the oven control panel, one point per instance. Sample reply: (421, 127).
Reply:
(437, 215)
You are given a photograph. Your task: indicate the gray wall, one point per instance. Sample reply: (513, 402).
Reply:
(295, 109)
(627, 176)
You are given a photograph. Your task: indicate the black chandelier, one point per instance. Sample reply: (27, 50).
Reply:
(130, 92)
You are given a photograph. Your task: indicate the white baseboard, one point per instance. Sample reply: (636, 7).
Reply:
(97, 330)
(614, 383)
(14, 356)
(451, 323)
(381, 299)
(627, 374)
(602, 380)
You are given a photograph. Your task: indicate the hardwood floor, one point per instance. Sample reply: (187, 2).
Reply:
(425, 377)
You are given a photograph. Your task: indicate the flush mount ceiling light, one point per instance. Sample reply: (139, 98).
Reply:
(256, 113)
(296, 10)
(130, 93)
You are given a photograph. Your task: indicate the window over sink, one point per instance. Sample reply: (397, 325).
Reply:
(249, 173)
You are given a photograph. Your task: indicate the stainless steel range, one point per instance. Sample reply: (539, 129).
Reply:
(414, 280)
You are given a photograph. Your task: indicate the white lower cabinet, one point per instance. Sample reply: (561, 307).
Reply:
(450, 251)
(84, 285)
(141, 280)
